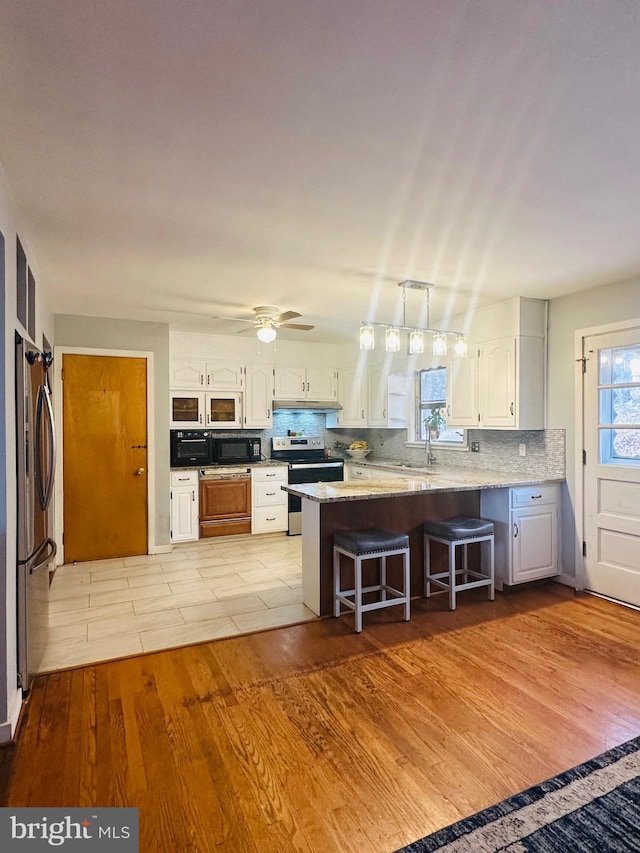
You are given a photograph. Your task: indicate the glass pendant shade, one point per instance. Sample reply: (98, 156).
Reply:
(439, 345)
(460, 347)
(266, 334)
(392, 340)
(367, 337)
(416, 342)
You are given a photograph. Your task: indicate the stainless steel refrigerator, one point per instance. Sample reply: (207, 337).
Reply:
(36, 452)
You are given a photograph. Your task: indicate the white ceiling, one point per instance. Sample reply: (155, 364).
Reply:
(176, 159)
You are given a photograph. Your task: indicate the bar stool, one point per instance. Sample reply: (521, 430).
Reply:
(371, 544)
(453, 533)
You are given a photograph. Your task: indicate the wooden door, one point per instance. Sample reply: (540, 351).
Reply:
(105, 456)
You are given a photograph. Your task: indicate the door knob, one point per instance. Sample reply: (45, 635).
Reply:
(139, 472)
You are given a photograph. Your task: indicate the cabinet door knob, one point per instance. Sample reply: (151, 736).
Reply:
(511, 408)
(516, 531)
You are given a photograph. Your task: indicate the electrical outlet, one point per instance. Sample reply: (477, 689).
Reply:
(522, 449)
(475, 446)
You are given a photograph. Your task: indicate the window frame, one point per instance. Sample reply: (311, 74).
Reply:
(414, 438)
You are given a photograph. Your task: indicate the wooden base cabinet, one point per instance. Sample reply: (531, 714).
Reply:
(184, 506)
(527, 529)
(225, 506)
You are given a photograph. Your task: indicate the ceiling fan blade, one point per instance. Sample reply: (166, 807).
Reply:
(235, 319)
(303, 326)
(286, 315)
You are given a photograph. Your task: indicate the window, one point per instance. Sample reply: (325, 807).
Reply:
(431, 409)
(619, 401)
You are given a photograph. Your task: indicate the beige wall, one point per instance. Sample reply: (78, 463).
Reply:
(99, 333)
(611, 303)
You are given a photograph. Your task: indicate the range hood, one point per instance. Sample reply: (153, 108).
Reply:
(306, 405)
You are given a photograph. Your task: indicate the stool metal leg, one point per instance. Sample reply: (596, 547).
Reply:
(452, 575)
(407, 584)
(465, 564)
(492, 587)
(357, 568)
(336, 582)
(427, 566)
(383, 577)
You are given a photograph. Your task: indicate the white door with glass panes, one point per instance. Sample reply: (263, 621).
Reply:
(612, 464)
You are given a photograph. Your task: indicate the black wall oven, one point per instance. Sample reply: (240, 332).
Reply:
(191, 448)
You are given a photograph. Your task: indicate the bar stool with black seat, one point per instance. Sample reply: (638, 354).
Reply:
(373, 544)
(454, 533)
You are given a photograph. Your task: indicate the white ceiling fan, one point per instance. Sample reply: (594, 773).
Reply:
(268, 320)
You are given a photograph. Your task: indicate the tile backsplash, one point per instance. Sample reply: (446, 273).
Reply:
(499, 450)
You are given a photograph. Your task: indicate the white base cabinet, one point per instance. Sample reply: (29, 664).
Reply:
(184, 506)
(269, 502)
(526, 532)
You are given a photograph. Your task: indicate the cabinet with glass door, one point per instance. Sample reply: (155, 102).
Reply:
(220, 409)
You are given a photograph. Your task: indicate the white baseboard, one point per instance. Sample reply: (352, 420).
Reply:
(8, 728)
(161, 549)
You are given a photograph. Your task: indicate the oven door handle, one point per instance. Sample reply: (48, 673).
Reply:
(301, 466)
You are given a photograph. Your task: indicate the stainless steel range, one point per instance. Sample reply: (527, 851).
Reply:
(307, 464)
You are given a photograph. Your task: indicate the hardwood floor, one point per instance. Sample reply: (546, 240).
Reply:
(313, 738)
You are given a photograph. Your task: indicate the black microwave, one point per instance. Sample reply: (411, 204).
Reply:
(236, 449)
(191, 448)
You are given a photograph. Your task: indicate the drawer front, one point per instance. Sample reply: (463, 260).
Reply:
(266, 519)
(184, 478)
(534, 495)
(272, 474)
(269, 494)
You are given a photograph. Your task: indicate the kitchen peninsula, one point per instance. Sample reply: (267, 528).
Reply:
(524, 510)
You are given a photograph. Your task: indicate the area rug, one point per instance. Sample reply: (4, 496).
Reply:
(593, 808)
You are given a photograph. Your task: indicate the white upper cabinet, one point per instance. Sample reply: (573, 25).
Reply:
(187, 373)
(501, 383)
(305, 383)
(462, 391)
(258, 396)
(498, 383)
(387, 396)
(511, 383)
(352, 395)
(206, 376)
(225, 375)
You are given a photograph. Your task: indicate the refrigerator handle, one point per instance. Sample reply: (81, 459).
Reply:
(44, 409)
(49, 547)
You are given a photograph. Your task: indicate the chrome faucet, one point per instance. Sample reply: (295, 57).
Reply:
(427, 447)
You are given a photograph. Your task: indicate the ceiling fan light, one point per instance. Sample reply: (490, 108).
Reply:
(439, 344)
(460, 347)
(392, 340)
(266, 333)
(367, 337)
(416, 342)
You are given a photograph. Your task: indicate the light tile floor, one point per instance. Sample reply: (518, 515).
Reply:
(200, 591)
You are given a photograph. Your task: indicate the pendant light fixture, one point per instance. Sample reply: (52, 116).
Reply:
(416, 335)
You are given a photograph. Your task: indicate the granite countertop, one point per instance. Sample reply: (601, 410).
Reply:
(419, 481)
